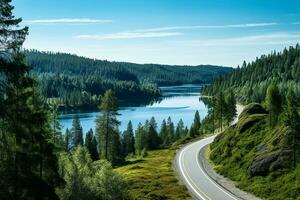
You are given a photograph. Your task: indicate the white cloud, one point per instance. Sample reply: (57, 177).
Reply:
(296, 23)
(128, 35)
(67, 21)
(168, 28)
(268, 39)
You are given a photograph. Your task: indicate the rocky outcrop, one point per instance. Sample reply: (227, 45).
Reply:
(271, 161)
(275, 153)
(252, 108)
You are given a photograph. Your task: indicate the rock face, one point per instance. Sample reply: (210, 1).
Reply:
(252, 108)
(252, 145)
(275, 154)
(271, 161)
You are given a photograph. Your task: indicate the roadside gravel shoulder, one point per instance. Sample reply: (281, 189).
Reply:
(224, 182)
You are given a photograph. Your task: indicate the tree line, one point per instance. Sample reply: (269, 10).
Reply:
(221, 111)
(162, 75)
(84, 91)
(110, 144)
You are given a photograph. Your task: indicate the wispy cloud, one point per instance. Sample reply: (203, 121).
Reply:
(67, 21)
(295, 23)
(267, 39)
(165, 31)
(128, 35)
(168, 28)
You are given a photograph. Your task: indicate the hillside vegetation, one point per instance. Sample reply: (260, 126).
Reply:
(258, 159)
(261, 152)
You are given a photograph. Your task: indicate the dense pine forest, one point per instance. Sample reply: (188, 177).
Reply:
(74, 81)
(250, 81)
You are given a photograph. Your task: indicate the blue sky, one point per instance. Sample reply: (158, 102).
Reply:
(191, 32)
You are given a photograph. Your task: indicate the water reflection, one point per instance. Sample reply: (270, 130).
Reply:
(177, 102)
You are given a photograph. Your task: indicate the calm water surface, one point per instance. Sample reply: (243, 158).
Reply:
(177, 102)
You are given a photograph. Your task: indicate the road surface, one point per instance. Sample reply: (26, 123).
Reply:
(193, 174)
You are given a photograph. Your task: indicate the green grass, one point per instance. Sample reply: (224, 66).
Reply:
(153, 177)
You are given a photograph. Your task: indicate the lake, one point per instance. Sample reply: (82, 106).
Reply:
(179, 102)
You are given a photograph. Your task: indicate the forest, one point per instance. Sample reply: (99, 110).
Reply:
(77, 82)
(250, 81)
(37, 160)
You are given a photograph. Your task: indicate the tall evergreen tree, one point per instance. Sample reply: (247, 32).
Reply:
(171, 131)
(193, 131)
(107, 129)
(163, 134)
(128, 140)
(57, 136)
(67, 140)
(220, 106)
(88, 141)
(153, 138)
(179, 132)
(197, 121)
(230, 108)
(76, 133)
(28, 163)
(273, 103)
(140, 139)
(94, 149)
(292, 119)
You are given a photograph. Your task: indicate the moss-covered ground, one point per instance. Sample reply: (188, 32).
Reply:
(153, 177)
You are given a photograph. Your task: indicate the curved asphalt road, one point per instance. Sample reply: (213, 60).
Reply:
(194, 176)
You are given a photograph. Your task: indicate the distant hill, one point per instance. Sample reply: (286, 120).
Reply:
(72, 65)
(78, 82)
(250, 82)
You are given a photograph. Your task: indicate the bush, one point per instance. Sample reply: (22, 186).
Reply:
(85, 179)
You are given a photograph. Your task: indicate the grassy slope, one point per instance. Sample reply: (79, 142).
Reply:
(235, 151)
(153, 177)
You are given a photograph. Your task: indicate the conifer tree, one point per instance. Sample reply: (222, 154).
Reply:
(179, 130)
(28, 163)
(76, 133)
(67, 140)
(163, 134)
(57, 136)
(273, 103)
(128, 140)
(107, 129)
(193, 131)
(230, 108)
(88, 141)
(140, 139)
(171, 131)
(153, 138)
(292, 119)
(94, 149)
(197, 122)
(220, 107)
(186, 131)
